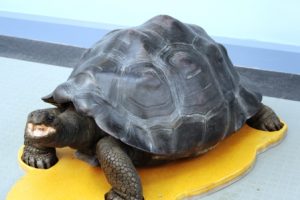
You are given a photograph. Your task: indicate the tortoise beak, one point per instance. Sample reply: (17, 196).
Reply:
(39, 130)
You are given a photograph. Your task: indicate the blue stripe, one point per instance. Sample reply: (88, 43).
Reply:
(51, 32)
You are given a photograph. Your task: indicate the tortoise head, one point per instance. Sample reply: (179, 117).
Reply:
(58, 127)
(44, 124)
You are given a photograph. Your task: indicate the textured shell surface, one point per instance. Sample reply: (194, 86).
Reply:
(164, 87)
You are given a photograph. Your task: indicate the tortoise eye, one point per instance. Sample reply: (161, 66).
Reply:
(50, 118)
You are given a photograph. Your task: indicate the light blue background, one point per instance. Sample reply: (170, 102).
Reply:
(274, 21)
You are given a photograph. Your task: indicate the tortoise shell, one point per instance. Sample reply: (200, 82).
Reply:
(163, 87)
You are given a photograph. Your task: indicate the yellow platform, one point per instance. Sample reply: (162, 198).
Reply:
(72, 179)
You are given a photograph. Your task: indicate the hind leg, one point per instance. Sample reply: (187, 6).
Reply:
(265, 119)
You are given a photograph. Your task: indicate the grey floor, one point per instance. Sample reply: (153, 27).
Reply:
(275, 175)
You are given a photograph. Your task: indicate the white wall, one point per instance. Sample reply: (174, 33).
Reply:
(274, 21)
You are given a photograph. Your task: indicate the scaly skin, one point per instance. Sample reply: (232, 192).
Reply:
(119, 171)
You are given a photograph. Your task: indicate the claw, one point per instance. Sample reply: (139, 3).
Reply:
(31, 161)
(270, 126)
(25, 159)
(111, 195)
(279, 126)
(40, 164)
(263, 127)
(47, 164)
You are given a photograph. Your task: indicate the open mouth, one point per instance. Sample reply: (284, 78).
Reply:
(39, 130)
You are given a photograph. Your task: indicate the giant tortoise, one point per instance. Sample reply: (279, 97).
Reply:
(144, 96)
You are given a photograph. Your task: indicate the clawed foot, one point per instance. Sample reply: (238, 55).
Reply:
(112, 195)
(265, 120)
(39, 158)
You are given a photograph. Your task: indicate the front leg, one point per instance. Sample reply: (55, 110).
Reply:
(119, 171)
(42, 158)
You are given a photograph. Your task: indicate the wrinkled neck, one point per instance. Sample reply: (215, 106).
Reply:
(78, 131)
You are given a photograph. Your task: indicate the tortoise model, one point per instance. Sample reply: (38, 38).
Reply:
(143, 96)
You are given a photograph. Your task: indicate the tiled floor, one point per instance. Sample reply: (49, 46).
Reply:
(275, 176)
